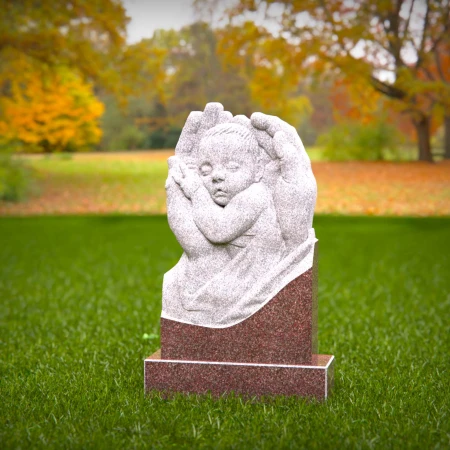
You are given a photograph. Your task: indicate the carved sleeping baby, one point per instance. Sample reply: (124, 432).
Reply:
(222, 211)
(232, 208)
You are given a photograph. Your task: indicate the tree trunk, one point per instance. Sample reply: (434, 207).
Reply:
(423, 138)
(447, 137)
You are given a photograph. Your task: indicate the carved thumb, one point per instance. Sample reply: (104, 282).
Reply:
(289, 156)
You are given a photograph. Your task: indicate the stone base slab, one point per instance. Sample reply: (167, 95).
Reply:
(249, 379)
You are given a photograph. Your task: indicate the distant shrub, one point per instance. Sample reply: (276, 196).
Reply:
(172, 137)
(307, 133)
(357, 141)
(130, 138)
(163, 138)
(157, 139)
(16, 179)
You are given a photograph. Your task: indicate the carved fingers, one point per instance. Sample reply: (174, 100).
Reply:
(213, 115)
(188, 135)
(273, 124)
(210, 116)
(267, 127)
(197, 124)
(225, 117)
(260, 124)
(288, 155)
(270, 125)
(243, 120)
(295, 184)
(186, 178)
(266, 122)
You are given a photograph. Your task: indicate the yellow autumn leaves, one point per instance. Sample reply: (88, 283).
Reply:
(265, 63)
(47, 110)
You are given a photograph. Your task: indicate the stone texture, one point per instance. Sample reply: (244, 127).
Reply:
(240, 307)
(284, 331)
(219, 378)
(240, 201)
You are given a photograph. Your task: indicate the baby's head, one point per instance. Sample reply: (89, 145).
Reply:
(229, 161)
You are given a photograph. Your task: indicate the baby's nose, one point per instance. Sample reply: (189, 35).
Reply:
(218, 175)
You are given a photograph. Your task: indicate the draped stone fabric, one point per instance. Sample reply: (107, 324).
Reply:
(240, 200)
(244, 286)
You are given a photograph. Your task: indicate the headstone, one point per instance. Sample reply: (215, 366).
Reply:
(239, 309)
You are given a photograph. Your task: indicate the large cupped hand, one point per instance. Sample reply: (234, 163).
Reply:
(294, 188)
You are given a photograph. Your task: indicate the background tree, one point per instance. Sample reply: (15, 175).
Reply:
(49, 110)
(383, 43)
(84, 35)
(265, 63)
(187, 71)
(50, 53)
(435, 73)
(197, 75)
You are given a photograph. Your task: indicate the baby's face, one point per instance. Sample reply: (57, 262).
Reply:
(226, 167)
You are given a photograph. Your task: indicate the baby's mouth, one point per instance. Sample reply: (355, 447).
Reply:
(220, 193)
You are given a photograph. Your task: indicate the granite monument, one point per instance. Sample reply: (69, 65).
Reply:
(239, 309)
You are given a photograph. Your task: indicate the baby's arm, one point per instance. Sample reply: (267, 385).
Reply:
(219, 225)
(223, 224)
(181, 221)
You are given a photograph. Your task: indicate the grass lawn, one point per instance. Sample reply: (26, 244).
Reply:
(133, 183)
(78, 293)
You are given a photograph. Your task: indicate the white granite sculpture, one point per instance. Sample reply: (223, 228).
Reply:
(240, 201)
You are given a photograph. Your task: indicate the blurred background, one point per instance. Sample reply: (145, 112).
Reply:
(94, 94)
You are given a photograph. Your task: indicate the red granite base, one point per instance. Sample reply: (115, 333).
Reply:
(284, 331)
(249, 379)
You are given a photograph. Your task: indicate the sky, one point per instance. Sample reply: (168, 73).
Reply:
(149, 15)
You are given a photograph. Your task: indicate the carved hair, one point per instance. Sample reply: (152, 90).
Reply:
(247, 137)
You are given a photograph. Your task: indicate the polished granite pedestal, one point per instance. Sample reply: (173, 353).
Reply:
(273, 352)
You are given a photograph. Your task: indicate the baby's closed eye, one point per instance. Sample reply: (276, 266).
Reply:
(205, 169)
(232, 167)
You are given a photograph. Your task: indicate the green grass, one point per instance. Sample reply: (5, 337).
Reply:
(78, 294)
(101, 171)
(105, 182)
(315, 152)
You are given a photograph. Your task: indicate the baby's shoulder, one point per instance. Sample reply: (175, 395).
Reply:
(255, 196)
(258, 190)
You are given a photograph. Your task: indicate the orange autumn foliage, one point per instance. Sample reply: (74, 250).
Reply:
(364, 40)
(85, 35)
(373, 188)
(353, 100)
(265, 63)
(49, 111)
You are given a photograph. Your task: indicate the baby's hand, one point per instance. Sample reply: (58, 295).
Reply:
(187, 178)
